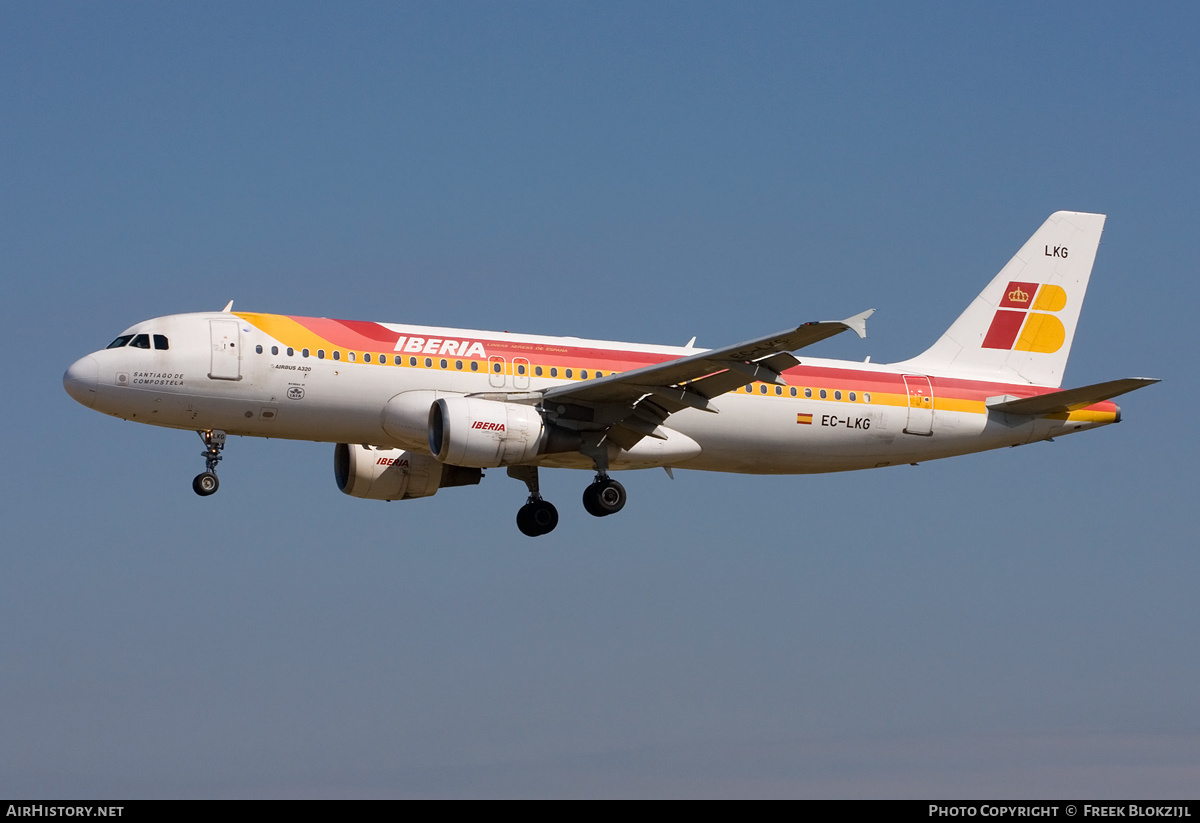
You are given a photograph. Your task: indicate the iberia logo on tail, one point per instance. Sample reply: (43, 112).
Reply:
(1024, 321)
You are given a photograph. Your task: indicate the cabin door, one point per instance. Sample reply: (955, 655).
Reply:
(920, 405)
(226, 355)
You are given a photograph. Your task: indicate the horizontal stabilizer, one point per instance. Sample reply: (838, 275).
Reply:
(1068, 400)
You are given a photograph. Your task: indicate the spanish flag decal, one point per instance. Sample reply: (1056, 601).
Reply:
(805, 419)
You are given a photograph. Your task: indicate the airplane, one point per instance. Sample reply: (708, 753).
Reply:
(414, 409)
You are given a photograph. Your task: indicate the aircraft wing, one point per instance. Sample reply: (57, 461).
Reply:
(631, 405)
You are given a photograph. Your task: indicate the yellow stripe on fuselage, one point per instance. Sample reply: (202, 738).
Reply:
(286, 330)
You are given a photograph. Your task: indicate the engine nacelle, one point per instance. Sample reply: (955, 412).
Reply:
(406, 417)
(394, 474)
(470, 431)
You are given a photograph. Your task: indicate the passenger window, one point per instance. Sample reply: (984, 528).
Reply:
(274, 350)
(583, 374)
(258, 349)
(320, 354)
(429, 362)
(474, 365)
(367, 357)
(337, 355)
(762, 389)
(779, 390)
(350, 356)
(496, 368)
(123, 340)
(570, 373)
(837, 395)
(866, 397)
(853, 397)
(160, 342)
(458, 365)
(444, 364)
(290, 351)
(304, 352)
(412, 361)
(823, 394)
(554, 371)
(793, 391)
(520, 367)
(141, 341)
(808, 392)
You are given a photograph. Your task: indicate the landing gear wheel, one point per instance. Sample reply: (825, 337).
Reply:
(604, 497)
(205, 484)
(537, 517)
(214, 443)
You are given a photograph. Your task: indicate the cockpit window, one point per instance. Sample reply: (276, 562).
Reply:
(120, 341)
(141, 341)
(160, 342)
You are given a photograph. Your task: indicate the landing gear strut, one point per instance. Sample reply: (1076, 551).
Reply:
(537, 516)
(604, 497)
(206, 483)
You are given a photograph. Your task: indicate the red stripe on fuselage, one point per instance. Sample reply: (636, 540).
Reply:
(368, 337)
(349, 334)
(369, 331)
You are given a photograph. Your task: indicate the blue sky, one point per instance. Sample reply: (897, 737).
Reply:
(1013, 624)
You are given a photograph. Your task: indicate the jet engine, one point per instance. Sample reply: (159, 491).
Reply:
(471, 431)
(395, 474)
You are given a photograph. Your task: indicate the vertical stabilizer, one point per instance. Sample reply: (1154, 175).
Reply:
(1019, 329)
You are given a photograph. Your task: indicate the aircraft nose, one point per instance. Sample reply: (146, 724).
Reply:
(81, 380)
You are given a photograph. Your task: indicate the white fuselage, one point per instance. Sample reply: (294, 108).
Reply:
(249, 375)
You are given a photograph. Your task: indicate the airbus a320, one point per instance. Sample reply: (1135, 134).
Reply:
(414, 409)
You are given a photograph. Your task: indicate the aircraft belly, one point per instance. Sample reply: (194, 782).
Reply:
(773, 437)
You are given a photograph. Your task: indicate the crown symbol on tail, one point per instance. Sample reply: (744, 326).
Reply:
(1018, 295)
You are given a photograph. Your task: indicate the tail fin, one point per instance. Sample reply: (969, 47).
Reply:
(1019, 329)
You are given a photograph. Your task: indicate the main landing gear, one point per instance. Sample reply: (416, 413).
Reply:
(603, 497)
(537, 516)
(206, 483)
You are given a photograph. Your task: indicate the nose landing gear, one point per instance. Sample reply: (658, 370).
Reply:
(206, 483)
